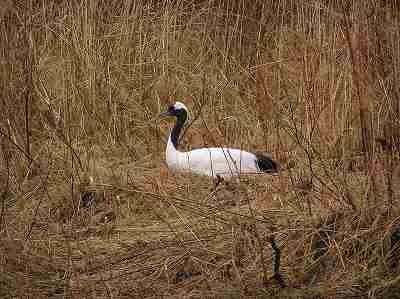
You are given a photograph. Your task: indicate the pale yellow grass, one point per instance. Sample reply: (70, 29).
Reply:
(83, 83)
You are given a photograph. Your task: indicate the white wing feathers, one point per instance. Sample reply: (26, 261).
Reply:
(213, 161)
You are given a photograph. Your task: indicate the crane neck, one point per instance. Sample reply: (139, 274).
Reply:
(180, 122)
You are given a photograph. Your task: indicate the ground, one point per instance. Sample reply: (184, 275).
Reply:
(89, 208)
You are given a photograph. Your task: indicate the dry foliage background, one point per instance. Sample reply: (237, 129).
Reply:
(313, 83)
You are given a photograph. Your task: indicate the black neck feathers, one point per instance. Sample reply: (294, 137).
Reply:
(181, 116)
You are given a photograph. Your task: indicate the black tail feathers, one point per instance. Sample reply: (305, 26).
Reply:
(266, 164)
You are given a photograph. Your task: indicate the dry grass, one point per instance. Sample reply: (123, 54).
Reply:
(314, 83)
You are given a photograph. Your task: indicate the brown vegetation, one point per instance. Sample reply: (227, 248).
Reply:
(87, 205)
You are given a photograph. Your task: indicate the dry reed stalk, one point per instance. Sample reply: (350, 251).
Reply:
(355, 32)
(268, 74)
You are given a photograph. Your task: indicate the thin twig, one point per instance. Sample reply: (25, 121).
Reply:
(277, 262)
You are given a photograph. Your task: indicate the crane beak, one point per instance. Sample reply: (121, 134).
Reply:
(165, 113)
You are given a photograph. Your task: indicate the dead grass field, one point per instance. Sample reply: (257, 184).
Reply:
(316, 84)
